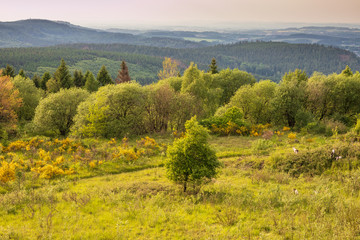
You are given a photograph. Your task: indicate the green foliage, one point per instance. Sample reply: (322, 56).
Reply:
(62, 76)
(30, 96)
(213, 67)
(8, 71)
(112, 111)
(195, 83)
(229, 123)
(318, 160)
(190, 159)
(37, 80)
(44, 79)
(289, 97)
(52, 86)
(91, 84)
(103, 77)
(230, 81)
(255, 101)
(55, 113)
(78, 79)
(347, 72)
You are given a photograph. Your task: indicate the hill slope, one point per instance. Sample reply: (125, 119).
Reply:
(39, 33)
(266, 60)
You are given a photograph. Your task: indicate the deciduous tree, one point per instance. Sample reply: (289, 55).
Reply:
(190, 158)
(170, 69)
(10, 101)
(56, 112)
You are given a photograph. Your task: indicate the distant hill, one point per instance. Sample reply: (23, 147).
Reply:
(266, 60)
(40, 33)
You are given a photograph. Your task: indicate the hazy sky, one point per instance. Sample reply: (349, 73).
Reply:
(116, 13)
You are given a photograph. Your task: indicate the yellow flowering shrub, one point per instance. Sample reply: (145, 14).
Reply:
(292, 135)
(285, 129)
(7, 172)
(48, 171)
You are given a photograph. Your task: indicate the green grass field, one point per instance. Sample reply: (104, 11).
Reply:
(248, 200)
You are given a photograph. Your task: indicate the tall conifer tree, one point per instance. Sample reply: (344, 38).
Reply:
(103, 77)
(62, 75)
(123, 75)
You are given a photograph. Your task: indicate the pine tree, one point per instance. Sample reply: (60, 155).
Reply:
(44, 79)
(213, 66)
(91, 83)
(62, 75)
(123, 75)
(103, 77)
(8, 71)
(22, 73)
(78, 79)
(37, 80)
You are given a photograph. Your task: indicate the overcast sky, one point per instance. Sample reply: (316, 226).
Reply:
(120, 13)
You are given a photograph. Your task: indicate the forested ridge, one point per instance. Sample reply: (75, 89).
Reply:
(266, 60)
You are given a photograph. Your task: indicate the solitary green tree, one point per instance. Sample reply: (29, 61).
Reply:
(62, 75)
(103, 77)
(190, 159)
(123, 75)
(213, 67)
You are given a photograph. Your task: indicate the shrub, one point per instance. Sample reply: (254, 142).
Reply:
(318, 160)
(190, 159)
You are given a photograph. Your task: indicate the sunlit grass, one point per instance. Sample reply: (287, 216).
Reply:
(248, 200)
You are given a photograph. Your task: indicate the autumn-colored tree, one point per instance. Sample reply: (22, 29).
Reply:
(123, 75)
(9, 101)
(170, 69)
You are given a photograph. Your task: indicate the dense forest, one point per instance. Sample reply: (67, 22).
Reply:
(265, 60)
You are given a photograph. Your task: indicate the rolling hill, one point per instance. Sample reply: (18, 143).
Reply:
(40, 33)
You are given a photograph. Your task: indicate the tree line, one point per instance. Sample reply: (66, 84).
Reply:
(265, 60)
(85, 106)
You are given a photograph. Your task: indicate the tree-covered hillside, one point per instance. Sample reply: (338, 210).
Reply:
(265, 60)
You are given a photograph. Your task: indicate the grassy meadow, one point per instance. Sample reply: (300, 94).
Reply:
(118, 189)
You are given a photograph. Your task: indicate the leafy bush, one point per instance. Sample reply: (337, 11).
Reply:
(317, 161)
(56, 112)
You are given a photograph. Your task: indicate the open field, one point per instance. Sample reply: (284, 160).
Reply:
(248, 200)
